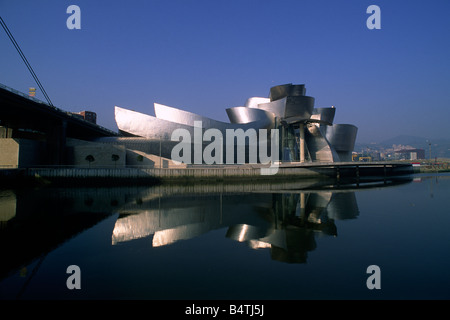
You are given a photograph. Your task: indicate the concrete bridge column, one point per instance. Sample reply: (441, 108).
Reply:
(5, 132)
(56, 143)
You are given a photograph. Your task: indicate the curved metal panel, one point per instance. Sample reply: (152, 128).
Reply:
(142, 125)
(254, 101)
(290, 109)
(324, 114)
(277, 107)
(279, 92)
(342, 136)
(298, 108)
(319, 148)
(177, 115)
(187, 118)
(288, 103)
(284, 90)
(246, 115)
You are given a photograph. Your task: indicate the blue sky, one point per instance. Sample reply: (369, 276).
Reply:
(206, 56)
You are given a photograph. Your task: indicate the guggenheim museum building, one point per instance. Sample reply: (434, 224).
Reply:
(303, 133)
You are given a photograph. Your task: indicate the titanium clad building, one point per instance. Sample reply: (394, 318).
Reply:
(305, 133)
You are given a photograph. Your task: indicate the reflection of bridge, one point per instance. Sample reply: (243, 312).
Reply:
(23, 115)
(35, 222)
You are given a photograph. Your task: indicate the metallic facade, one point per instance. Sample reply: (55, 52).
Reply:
(306, 133)
(188, 118)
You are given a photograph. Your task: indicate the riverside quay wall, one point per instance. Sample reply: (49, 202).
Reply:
(204, 173)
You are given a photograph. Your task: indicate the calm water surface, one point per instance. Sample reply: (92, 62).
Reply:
(307, 241)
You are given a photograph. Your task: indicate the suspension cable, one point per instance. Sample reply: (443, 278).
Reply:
(16, 45)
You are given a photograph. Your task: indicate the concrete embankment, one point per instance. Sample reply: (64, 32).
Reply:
(199, 173)
(433, 168)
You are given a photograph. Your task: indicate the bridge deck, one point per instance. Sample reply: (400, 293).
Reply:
(17, 110)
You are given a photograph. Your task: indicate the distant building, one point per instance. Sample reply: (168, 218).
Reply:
(410, 154)
(86, 115)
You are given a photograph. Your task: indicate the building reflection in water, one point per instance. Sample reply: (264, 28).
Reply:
(296, 219)
(284, 222)
(281, 218)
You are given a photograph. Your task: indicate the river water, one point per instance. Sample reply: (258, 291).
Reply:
(310, 240)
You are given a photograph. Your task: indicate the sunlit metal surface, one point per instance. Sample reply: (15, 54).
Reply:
(142, 125)
(324, 114)
(298, 108)
(246, 115)
(287, 107)
(277, 107)
(254, 101)
(319, 148)
(342, 137)
(288, 102)
(181, 116)
(187, 118)
(291, 109)
(284, 90)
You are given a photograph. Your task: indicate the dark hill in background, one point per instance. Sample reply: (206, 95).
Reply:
(417, 142)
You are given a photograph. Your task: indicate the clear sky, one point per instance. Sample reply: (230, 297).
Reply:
(206, 56)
